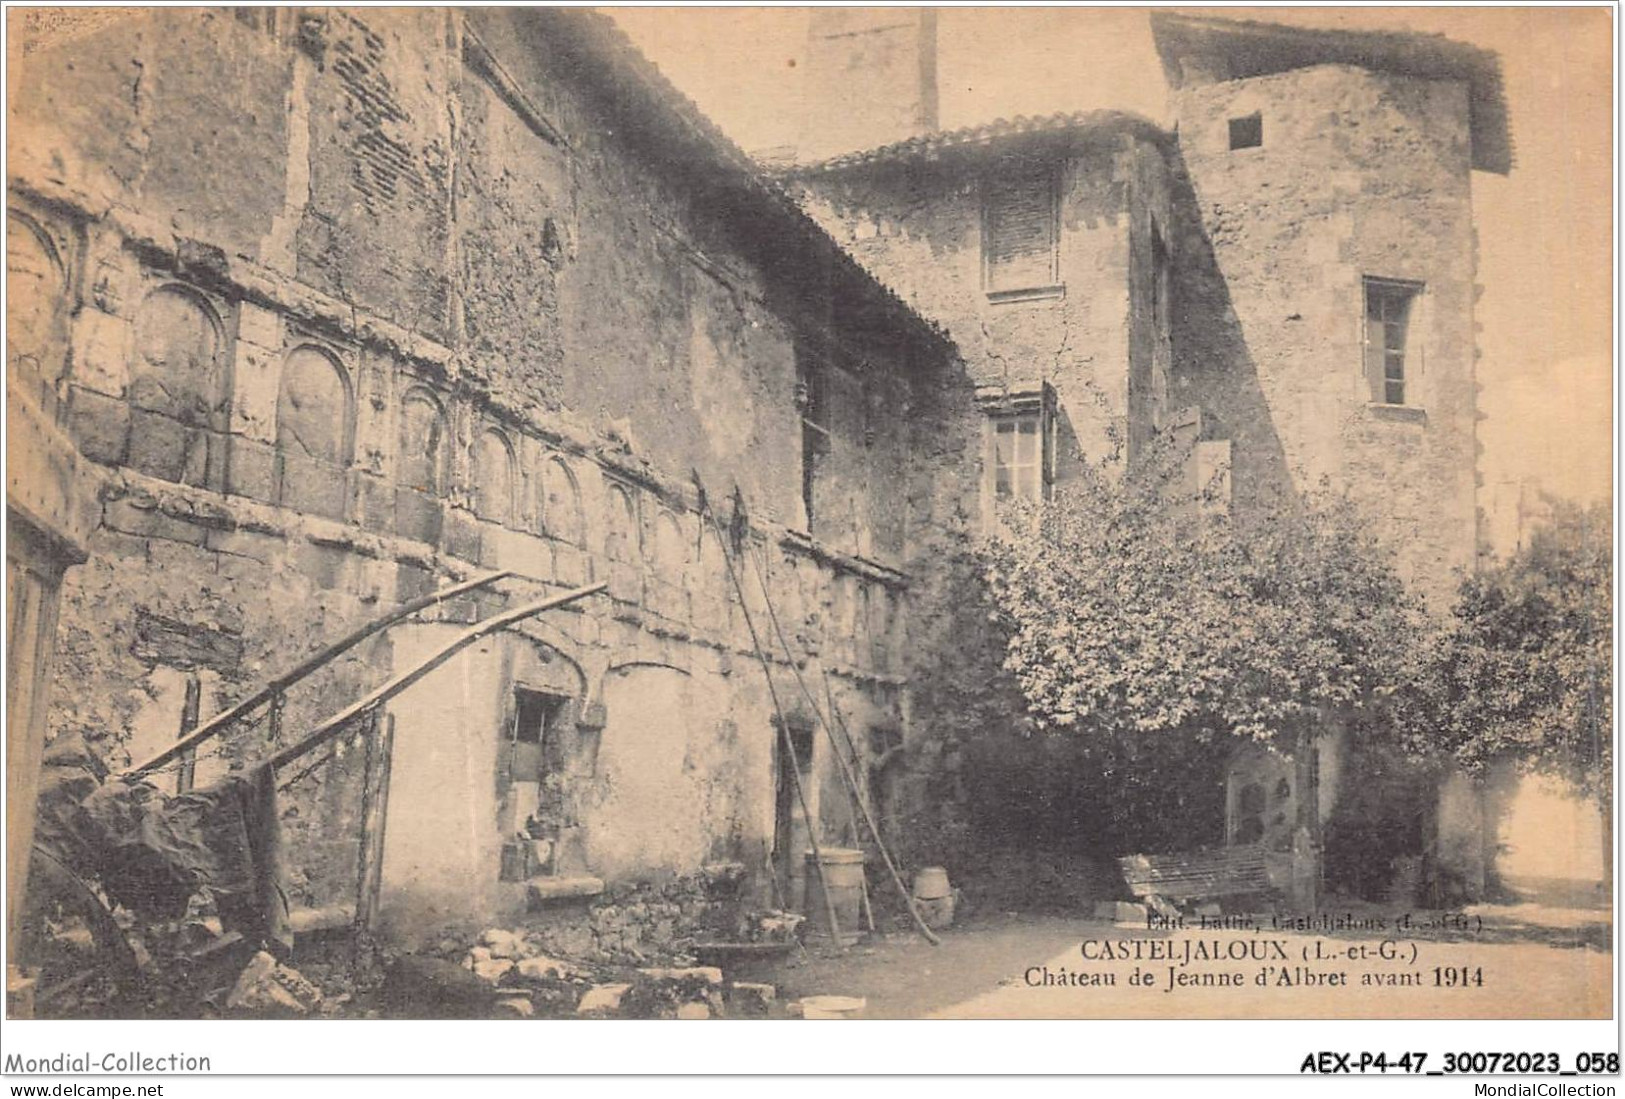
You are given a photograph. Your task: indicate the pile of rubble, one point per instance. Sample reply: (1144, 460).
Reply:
(505, 974)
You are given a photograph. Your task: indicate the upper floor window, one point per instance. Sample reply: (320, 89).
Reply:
(1389, 306)
(1021, 451)
(1247, 132)
(812, 401)
(1021, 235)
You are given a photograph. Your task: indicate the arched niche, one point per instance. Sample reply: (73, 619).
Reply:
(621, 541)
(424, 456)
(670, 547)
(178, 367)
(36, 305)
(561, 502)
(313, 413)
(315, 433)
(495, 474)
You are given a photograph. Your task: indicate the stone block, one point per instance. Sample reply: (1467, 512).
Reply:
(625, 582)
(374, 503)
(527, 554)
(252, 470)
(265, 548)
(1121, 912)
(488, 969)
(313, 487)
(503, 944)
(461, 535)
(268, 990)
(100, 425)
(543, 968)
(259, 326)
(123, 515)
(411, 582)
(256, 381)
(709, 973)
(167, 449)
(519, 1007)
(569, 564)
(417, 516)
(602, 999)
(322, 566)
(102, 352)
(693, 1011)
(541, 891)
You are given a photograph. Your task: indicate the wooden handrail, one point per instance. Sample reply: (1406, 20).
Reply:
(330, 728)
(276, 686)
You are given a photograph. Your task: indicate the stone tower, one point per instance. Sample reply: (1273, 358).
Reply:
(1325, 281)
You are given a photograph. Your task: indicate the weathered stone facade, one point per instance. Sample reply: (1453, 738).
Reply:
(356, 303)
(1217, 286)
(337, 307)
(1218, 292)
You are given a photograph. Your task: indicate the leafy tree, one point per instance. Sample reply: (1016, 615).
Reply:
(1526, 675)
(1133, 611)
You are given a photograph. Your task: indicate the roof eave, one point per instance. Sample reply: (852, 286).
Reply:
(1429, 56)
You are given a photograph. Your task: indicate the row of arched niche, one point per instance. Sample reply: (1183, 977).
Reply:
(179, 371)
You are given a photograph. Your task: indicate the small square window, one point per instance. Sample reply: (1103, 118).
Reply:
(1247, 132)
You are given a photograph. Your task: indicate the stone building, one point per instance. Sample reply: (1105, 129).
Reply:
(1279, 285)
(316, 311)
(333, 308)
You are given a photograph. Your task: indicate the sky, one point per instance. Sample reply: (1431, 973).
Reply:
(1545, 230)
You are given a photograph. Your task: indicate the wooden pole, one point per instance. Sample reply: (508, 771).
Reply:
(374, 815)
(784, 725)
(846, 771)
(330, 728)
(282, 682)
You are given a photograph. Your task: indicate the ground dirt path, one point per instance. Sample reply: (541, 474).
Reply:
(997, 968)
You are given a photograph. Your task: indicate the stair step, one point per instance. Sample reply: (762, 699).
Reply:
(307, 921)
(539, 891)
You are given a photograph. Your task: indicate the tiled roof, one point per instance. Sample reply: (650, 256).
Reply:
(1200, 48)
(985, 135)
(784, 240)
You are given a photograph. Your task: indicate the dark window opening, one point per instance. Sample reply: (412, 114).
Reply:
(812, 402)
(533, 713)
(1247, 132)
(1388, 308)
(532, 753)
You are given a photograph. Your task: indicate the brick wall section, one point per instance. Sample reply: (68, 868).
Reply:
(1360, 174)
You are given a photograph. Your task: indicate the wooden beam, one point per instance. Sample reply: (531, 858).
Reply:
(334, 725)
(225, 718)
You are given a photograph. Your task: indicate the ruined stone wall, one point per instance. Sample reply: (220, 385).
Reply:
(1358, 174)
(453, 321)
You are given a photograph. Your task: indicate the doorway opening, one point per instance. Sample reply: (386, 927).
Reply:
(529, 795)
(790, 833)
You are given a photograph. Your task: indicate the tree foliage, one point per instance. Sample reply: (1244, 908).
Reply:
(1526, 674)
(1132, 611)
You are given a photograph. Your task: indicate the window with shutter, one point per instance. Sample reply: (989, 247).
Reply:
(1020, 459)
(1020, 234)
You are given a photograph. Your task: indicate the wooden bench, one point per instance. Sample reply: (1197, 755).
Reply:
(1207, 874)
